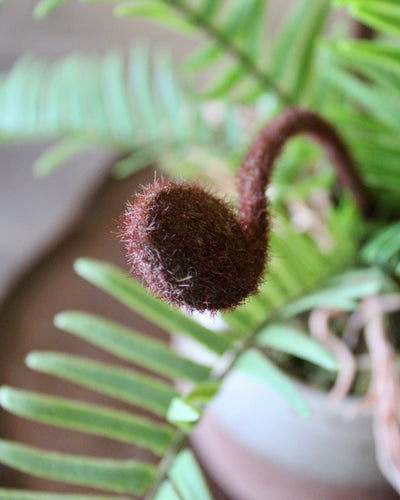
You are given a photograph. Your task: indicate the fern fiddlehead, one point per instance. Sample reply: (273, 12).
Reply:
(191, 249)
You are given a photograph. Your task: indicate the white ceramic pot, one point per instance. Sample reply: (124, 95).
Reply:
(257, 448)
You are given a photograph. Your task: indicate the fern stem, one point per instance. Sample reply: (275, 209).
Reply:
(264, 78)
(175, 447)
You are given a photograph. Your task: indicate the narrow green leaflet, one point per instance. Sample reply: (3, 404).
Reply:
(116, 99)
(343, 292)
(182, 414)
(206, 55)
(293, 341)
(11, 494)
(125, 106)
(295, 45)
(186, 476)
(202, 393)
(386, 54)
(377, 61)
(121, 476)
(225, 82)
(131, 345)
(58, 154)
(141, 158)
(170, 100)
(383, 249)
(155, 11)
(185, 411)
(121, 383)
(381, 14)
(45, 6)
(127, 290)
(89, 418)
(260, 367)
(380, 105)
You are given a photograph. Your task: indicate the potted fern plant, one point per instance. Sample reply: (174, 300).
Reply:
(333, 263)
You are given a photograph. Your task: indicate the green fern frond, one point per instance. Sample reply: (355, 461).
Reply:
(150, 392)
(366, 76)
(85, 102)
(237, 32)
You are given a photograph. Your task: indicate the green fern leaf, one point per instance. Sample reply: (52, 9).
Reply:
(120, 383)
(117, 475)
(343, 292)
(88, 418)
(131, 108)
(297, 343)
(379, 104)
(295, 45)
(131, 345)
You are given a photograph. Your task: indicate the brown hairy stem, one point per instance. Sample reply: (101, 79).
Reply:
(190, 248)
(256, 169)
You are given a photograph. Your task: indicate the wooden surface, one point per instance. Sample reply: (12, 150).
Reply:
(26, 324)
